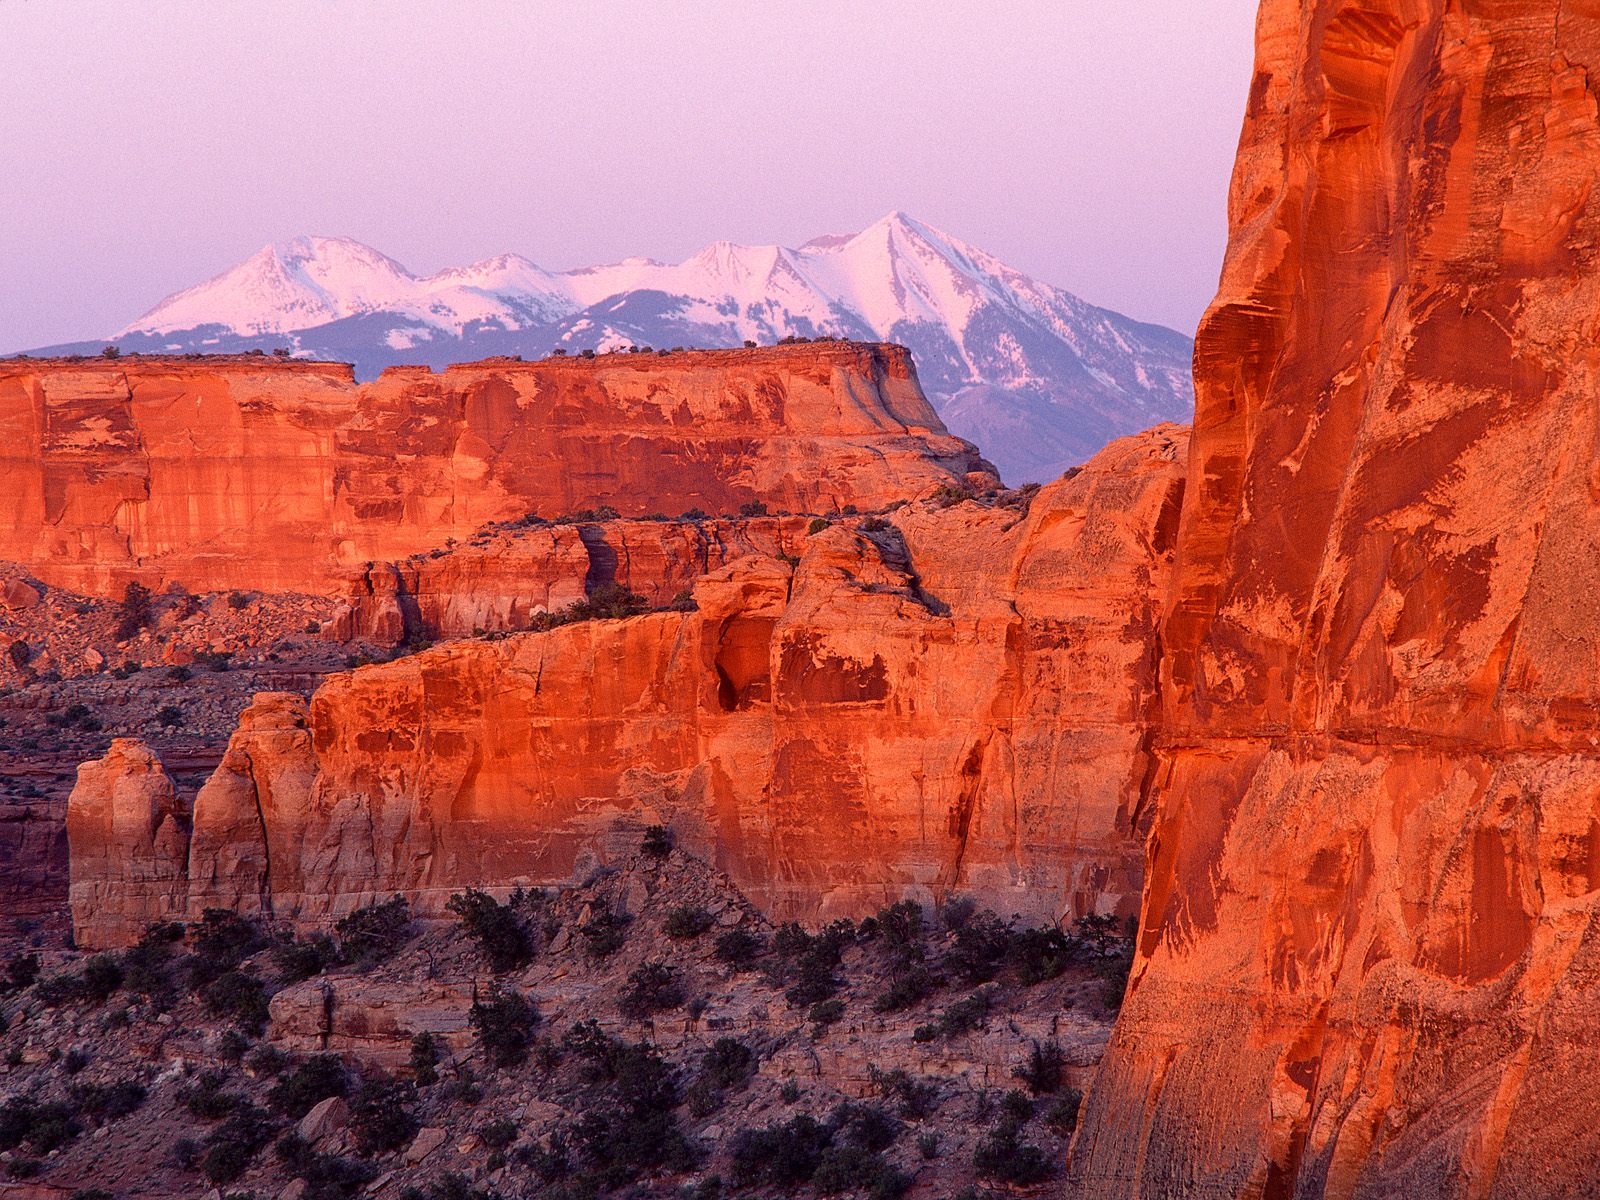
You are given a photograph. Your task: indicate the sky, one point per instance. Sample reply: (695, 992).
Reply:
(150, 146)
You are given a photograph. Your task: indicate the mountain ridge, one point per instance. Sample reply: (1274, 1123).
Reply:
(1038, 376)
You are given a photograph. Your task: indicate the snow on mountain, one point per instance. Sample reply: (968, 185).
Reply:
(1038, 377)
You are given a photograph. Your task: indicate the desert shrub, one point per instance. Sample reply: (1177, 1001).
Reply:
(1005, 1158)
(826, 1012)
(784, 1155)
(900, 924)
(75, 1060)
(863, 1124)
(853, 1169)
(41, 1126)
(728, 1063)
(372, 934)
(169, 716)
(425, 1058)
(629, 1127)
(1042, 1070)
(504, 1023)
(608, 601)
(928, 1144)
(326, 1176)
(146, 964)
(1113, 973)
(269, 1062)
(956, 911)
(297, 960)
(22, 970)
(1042, 953)
(108, 1101)
(93, 983)
(498, 1134)
(204, 1096)
(21, 654)
(980, 948)
(908, 987)
(913, 1098)
(239, 997)
(383, 1116)
(687, 921)
(101, 977)
(239, 601)
(752, 508)
(300, 1090)
(1016, 1108)
(24, 1168)
(814, 982)
(1062, 1115)
(653, 987)
(134, 613)
(232, 1046)
(807, 962)
(495, 927)
(738, 948)
(817, 525)
(657, 841)
(605, 931)
(961, 1017)
(221, 940)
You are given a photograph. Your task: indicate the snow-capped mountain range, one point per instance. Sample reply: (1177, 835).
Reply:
(1039, 378)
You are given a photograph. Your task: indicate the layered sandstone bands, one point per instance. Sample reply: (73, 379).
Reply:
(1370, 947)
(957, 701)
(501, 581)
(276, 475)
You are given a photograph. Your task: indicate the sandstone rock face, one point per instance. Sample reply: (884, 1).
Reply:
(129, 844)
(957, 701)
(499, 582)
(282, 476)
(1371, 930)
(239, 815)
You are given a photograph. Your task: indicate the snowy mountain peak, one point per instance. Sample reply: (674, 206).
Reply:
(1035, 374)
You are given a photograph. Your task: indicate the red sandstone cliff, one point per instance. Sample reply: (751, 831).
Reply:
(281, 476)
(501, 580)
(1371, 932)
(958, 701)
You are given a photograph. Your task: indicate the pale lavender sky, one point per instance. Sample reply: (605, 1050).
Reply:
(150, 145)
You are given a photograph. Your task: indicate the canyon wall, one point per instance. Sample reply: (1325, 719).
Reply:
(502, 578)
(955, 700)
(1370, 950)
(277, 475)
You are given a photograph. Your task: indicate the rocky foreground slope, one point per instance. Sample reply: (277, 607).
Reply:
(1369, 956)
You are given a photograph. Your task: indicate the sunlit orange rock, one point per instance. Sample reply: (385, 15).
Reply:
(257, 473)
(956, 699)
(1370, 954)
(502, 581)
(129, 840)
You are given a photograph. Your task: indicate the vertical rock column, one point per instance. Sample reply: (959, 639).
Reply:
(129, 842)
